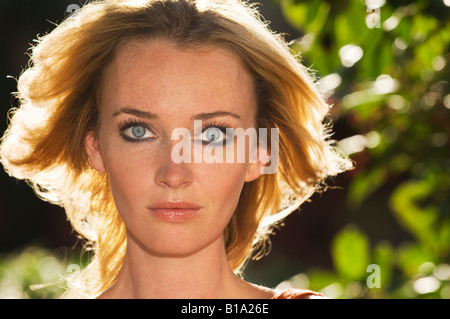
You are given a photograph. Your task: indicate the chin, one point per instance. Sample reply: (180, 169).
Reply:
(171, 243)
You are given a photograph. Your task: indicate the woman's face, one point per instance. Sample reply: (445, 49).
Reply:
(151, 89)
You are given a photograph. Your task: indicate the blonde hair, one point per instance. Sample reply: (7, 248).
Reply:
(58, 93)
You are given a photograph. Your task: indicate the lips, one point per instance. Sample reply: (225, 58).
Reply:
(174, 210)
(175, 205)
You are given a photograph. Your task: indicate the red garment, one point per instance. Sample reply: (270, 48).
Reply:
(293, 293)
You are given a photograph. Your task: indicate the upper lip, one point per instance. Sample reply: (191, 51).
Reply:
(174, 205)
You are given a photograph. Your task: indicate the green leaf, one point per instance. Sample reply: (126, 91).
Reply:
(306, 17)
(403, 30)
(444, 237)
(406, 203)
(320, 278)
(350, 26)
(385, 58)
(384, 256)
(365, 185)
(422, 26)
(295, 13)
(313, 10)
(411, 256)
(369, 61)
(350, 252)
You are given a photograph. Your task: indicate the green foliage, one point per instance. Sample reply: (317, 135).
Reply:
(393, 92)
(350, 254)
(36, 273)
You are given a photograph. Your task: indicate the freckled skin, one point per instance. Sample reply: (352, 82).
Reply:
(175, 84)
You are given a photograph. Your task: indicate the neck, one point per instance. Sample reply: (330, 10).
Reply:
(204, 274)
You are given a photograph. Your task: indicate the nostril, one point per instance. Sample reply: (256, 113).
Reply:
(173, 175)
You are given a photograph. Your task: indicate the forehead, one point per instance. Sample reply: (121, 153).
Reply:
(157, 74)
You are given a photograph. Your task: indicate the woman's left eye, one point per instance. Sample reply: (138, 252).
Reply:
(214, 136)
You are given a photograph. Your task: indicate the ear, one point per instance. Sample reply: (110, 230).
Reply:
(259, 158)
(92, 149)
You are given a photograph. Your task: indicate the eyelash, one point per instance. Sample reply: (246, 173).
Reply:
(130, 123)
(221, 126)
(126, 124)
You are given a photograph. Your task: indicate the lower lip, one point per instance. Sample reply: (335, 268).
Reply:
(174, 215)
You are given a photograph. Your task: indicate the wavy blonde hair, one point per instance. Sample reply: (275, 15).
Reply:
(58, 96)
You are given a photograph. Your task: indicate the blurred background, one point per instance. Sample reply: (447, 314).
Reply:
(383, 231)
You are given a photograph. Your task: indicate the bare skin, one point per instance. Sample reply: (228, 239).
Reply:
(158, 87)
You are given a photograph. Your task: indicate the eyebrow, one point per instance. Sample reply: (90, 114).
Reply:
(207, 116)
(150, 115)
(136, 112)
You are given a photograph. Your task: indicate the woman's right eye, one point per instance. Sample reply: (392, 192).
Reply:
(136, 132)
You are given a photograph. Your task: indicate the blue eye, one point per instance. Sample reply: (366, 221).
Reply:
(138, 131)
(135, 132)
(213, 135)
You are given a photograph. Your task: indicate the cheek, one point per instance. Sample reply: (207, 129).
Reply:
(222, 183)
(129, 175)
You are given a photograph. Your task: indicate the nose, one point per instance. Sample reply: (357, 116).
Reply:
(171, 174)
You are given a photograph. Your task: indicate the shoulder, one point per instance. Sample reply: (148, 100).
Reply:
(293, 293)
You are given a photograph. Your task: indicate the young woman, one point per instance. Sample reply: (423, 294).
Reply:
(108, 97)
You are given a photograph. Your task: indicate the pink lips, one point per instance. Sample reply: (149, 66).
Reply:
(174, 211)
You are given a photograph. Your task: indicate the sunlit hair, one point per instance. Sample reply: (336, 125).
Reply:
(59, 95)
